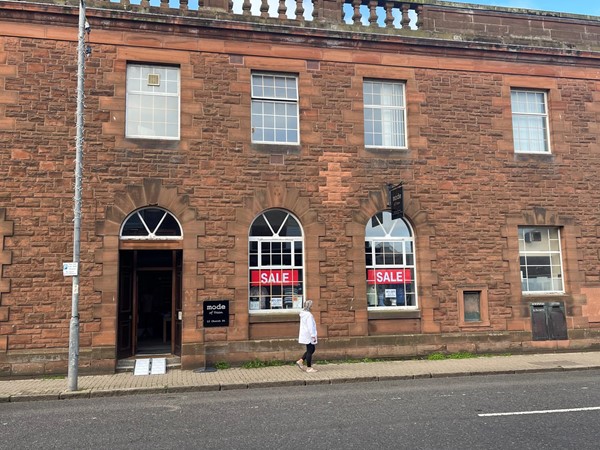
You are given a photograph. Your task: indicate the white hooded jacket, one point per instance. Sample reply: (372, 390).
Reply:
(308, 328)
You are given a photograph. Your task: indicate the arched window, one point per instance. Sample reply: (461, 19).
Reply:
(390, 260)
(151, 224)
(275, 262)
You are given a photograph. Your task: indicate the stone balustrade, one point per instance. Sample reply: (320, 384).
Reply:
(371, 13)
(430, 18)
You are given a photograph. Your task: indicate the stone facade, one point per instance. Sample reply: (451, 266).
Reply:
(466, 190)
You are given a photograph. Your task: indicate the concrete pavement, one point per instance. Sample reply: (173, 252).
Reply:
(177, 380)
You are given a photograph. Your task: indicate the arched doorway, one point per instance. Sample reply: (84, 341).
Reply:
(150, 268)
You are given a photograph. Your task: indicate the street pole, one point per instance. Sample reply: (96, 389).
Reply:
(74, 324)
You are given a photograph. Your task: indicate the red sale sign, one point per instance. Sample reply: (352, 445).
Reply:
(388, 276)
(270, 277)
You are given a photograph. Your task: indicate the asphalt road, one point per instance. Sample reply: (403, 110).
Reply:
(533, 411)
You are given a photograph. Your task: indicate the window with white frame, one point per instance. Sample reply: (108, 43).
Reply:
(275, 116)
(152, 102)
(390, 261)
(385, 114)
(540, 259)
(275, 262)
(530, 121)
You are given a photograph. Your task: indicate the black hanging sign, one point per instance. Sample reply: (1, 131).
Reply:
(216, 313)
(396, 201)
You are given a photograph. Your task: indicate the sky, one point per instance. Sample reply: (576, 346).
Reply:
(586, 7)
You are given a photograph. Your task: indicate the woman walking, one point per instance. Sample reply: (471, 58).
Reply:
(308, 336)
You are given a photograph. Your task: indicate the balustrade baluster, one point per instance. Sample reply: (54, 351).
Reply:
(316, 7)
(229, 5)
(264, 9)
(373, 13)
(145, 4)
(246, 7)
(357, 16)
(164, 4)
(389, 17)
(282, 10)
(419, 11)
(405, 22)
(183, 5)
(300, 10)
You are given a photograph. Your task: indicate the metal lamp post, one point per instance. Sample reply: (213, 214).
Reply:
(74, 324)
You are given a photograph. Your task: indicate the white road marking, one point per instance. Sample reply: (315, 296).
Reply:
(546, 411)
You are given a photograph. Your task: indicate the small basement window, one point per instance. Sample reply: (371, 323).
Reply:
(473, 307)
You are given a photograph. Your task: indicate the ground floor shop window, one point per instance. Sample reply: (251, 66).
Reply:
(540, 259)
(276, 262)
(390, 262)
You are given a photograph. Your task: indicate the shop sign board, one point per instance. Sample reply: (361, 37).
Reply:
(279, 277)
(388, 276)
(397, 202)
(216, 313)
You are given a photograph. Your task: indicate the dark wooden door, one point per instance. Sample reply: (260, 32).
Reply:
(177, 303)
(126, 305)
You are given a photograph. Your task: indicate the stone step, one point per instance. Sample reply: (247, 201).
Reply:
(127, 365)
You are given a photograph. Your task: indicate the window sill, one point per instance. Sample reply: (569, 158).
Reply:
(474, 325)
(273, 316)
(526, 157)
(392, 152)
(543, 294)
(385, 314)
(387, 149)
(286, 149)
(154, 143)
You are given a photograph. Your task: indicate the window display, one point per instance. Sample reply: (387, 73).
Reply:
(390, 261)
(275, 252)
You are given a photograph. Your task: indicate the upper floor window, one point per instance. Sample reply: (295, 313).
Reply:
(275, 109)
(276, 262)
(540, 259)
(152, 102)
(385, 114)
(530, 121)
(390, 261)
(151, 223)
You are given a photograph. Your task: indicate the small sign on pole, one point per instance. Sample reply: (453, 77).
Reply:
(70, 269)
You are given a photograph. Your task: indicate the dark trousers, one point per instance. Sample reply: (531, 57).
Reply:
(310, 349)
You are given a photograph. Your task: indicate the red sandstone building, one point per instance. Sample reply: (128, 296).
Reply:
(239, 156)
